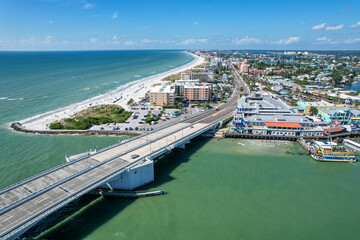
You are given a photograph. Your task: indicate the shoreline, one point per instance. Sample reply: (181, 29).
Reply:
(119, 96)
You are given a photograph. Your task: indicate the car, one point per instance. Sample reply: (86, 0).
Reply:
(126, 129)
(136, 128)
(134, 156)
(127, 122)
(114, 123)
(141, 122)
(130, 128)
(101, 128)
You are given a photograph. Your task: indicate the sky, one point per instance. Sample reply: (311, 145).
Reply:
(179, 24)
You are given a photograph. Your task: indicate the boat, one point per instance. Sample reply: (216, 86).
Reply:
(330, 152)
(352, 144)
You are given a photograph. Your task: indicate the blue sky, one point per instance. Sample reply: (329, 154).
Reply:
(167, 24)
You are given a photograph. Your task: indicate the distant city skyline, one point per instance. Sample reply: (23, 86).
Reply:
(105, 25)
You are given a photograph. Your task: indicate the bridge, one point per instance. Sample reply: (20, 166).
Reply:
(25, 203)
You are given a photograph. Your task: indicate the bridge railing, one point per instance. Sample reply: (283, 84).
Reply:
(55, 206)
(51, 170)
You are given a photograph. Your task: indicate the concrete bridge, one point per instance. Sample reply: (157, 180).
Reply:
(25, 203)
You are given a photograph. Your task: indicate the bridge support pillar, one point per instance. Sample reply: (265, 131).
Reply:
(180, 147)
(136, 176)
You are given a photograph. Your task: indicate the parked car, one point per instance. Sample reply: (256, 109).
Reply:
(134, 156)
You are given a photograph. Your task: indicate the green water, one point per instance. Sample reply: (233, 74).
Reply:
(228, 189)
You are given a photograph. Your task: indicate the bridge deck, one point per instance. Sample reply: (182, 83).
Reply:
(25, 203)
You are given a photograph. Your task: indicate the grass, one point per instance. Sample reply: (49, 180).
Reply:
(172, 78)
(91, 116)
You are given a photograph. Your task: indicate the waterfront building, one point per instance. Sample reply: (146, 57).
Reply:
(319, 105)
(202, 76)
(263, 113)
(162, 95)
(340, 115)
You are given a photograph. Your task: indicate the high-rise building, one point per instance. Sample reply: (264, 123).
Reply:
(162, 95)
(243, 66)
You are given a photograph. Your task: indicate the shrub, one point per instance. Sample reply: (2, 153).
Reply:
(56, 125)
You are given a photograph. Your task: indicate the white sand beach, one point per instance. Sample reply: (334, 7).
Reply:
(120, 96)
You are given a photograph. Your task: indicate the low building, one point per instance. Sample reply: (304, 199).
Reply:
(162, 95)
(335, 130)
(340, 115)
(319, 105)
(264, 113)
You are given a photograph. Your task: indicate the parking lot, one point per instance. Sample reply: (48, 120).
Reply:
(136, 122)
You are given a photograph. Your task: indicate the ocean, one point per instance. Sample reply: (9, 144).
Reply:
(215, 189)
(37, 82)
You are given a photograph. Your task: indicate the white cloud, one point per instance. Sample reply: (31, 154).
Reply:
(246, 40)
(51, 21)
(114, 15)
(319, 27)
(355, 25)
(88, 5)
(302, 22)
(323, 39)
(334, 28)
(196, 23)
(193, 41)
(130, 43)
(94, 40)
(352, 40)
(203, 40)
(288, 41)
(114, 38)
(188, 41)
(145, 40)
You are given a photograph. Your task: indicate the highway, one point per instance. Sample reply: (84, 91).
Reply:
(25, 203)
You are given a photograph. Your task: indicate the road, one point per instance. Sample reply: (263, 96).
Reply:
(25, 203)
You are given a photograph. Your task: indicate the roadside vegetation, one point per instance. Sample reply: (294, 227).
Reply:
(91, 116)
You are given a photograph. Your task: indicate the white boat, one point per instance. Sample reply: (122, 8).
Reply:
(352, 144)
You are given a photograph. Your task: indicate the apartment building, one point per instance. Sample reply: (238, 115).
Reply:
(162, 95)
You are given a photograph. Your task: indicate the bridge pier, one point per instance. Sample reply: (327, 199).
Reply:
(134, 177)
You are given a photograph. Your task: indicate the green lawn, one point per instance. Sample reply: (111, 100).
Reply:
(91, 116)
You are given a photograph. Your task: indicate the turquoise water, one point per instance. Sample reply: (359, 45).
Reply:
(215, 189)
(36, 82)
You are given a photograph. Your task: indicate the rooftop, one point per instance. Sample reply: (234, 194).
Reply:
(317, 104)
(163, 89)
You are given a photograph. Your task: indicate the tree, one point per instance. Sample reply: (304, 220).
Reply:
(130, 102)
(241, 89)
(180, 105)
(313, 110)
